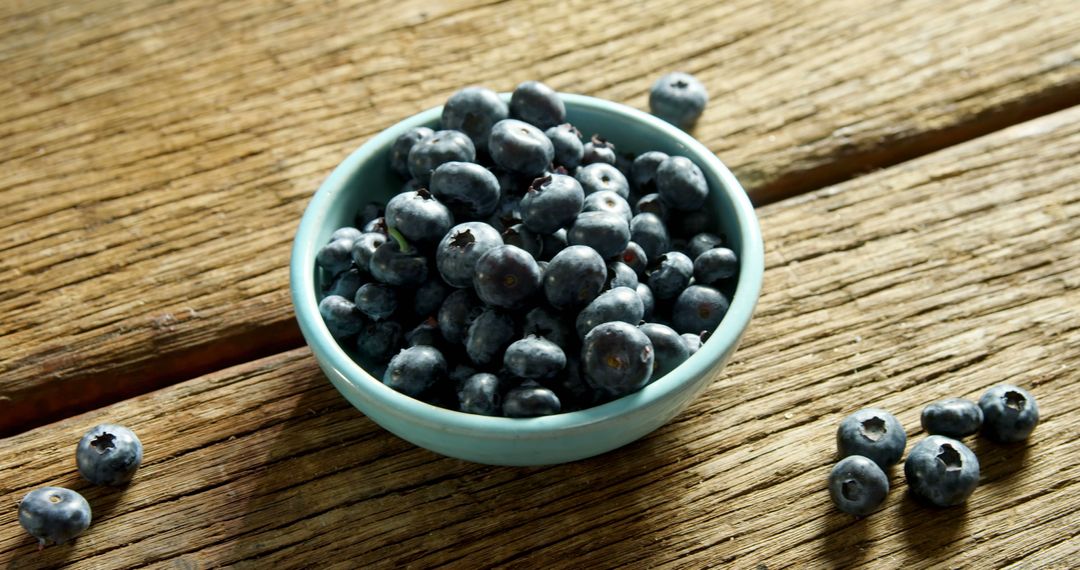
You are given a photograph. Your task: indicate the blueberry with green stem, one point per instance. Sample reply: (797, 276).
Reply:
(108, 454)
(395, 262)
(54, 514)
(872, 433)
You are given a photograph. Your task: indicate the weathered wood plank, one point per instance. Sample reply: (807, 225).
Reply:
(936, 278)
(156, 158)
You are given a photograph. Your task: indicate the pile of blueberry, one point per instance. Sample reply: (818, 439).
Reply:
(523, 271)
(108, 454)
(940, 469)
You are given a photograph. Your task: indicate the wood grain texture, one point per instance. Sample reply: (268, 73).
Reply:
(937, 278)
(156, 156)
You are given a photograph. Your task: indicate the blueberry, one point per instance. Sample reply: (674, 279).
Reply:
(671, 274)
(379, 341)
(873, 433)
(335, 257)
(473, 110)
(520, 147)
(341, 316)
(456, 254)
(548, 323)
(698, 308)
(715, 265)
(378, 225)
(469, 190)
(414, 370)
(363, 249)
(598, 150)
(108, 454)
(346, 283)
(479, 394)
(520, 236)
(530, 400)
(952, 417)
(649, 231)
(566, 140)
(510, 183)
(681, 184)
(619, 304)
(703, 242)
(506, 276)
(574, 277)
(436, 149)
(552, 202)
(419, 216)
(488, 336)
(399, 152)
(942, 471)
(634, 257)
(534, 358)
(54, 514)
(457, 313)
(693, 342)
(426, 333)
(648, 301)
(607, 201)
(605, 232)
(376, 301)
(1009, 413)
(602, 176)
(643, 170)
(537, 104)
(857, 485)
(678, 98)
(617, 358)
(553, 243)
(652, 204)
(392, 265)
(345, 233)
(620, 275)
(429, 297)
(669, 349)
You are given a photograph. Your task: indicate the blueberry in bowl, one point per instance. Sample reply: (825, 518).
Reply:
(526, 407)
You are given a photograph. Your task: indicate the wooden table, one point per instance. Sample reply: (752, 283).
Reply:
(915, 164)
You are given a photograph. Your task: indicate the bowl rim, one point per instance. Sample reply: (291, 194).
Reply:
(723, 340)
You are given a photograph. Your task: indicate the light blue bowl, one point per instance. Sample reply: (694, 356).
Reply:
(365, 176)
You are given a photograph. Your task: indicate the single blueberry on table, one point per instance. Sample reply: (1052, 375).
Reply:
(534, 358)
(520, 147)
(108, 454)
(457, 313)
(607, 201)
(620, 275)
(530, 400)
(652, 204)
(399, 151)
(941, 471)
(489, 335)
(857, 485)
(457, 253)
(379, 341)
(436, 149)
(1010, 413)
(566, 140)
(507, 277)
(341, 316)
(702, 242)
(648, 301)
(479, 394)
(715, 265)
(671, 275)
(537, 104)
(634, 257)
(574, 277)
(669, 349)
(399, 267)
(952, 417)
(617, 358)
(698, 308)
(414, 370)
(473, 110)
(376, 300)
(419, 216)
(363, 249)
(619, 304)
(678, 98)
(643, 170)
(649, 231)
(601, 176)
(605, 232)
(552, 202)
(681, 184)
(597, 150)
(873, 433)
(54, 514)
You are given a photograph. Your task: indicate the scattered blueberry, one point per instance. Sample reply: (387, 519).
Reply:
(857, 485)
(873, 433)
(473, 110)
(617, 358)
(520, 147)
(415, 369)
(537, 104)
(942, 471)
(1010, 413)
(108, 454)
(602, 176)
(678, 98)
(952, 417)
(54, 514)
(436, 149)
(531, 400)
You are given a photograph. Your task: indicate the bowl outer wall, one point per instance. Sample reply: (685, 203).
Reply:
(365, 176)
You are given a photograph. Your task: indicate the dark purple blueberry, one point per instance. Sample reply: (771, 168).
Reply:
(602, 176)
(548, 323)
(363, 249)
(715, 265)
(419, 216)
(489, 335)
(620, 275)
(341, 316)
(703, 242)
(574, 277)
(652, 204)
(858, 486)
(108, 454)
(345, 233)
(426, 333)
(552, 202)
(458, 311)
(649, 231)
(390, 265)
(335, 257)
(678, 98)
(669, 349)
(530, 400)
(693, 342)
(1010, 413)
(376, 300)
(607, 201)
(648, 301)
(872, 433)
(469, 190)
(619, 304)
(439, 148)
(54, 514)
(429, 297)
(617, 358)
(941, 471)
(597, 150)
(553, 244)
(520, 147)
(566, 141)
(643, 171)
(671, 274)
(681, 184)
(399, 152)
(473, 110)
(634, 257)
(507, 277)
(605, 232)
(456, 255)
(698, 308)
(537, 104)
(534, 358)
(479, 394)
(414, 370)
(952, 417)
(379, 341)
(346, 283)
